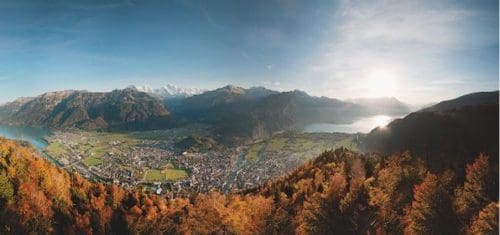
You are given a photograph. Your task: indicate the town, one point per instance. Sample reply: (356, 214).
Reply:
(154, 160)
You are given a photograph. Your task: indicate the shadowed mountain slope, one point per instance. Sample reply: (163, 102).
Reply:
(451, 131)
(119, 109)
(473, 99)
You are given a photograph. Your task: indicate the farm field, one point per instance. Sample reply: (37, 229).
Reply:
(305, 144)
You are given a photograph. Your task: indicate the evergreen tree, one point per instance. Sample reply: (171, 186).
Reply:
(486, 222)
(431, 210)
(473, 195)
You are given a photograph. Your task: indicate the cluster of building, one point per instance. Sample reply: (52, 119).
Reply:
(126, 162)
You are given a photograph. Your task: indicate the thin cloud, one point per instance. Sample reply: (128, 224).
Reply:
(414, 40)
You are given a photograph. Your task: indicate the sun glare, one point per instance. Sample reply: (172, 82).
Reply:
(381, 121)
(381, 83)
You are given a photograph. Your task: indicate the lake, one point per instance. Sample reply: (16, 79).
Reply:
(363, 125)
(33, 135)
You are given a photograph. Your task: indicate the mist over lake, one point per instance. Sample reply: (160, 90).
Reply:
(363, 125)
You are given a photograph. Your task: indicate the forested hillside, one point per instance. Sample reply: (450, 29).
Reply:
(340, 191)
(443, 137)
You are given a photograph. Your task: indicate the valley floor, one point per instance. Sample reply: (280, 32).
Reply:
(153, 160)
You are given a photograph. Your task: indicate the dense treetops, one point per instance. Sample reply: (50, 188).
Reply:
(339, 192)
(446, 138)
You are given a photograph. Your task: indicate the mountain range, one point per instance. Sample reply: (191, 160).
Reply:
(221, 96)
(118, 109)
(168, 91)
(257, 112)
(238, 114)
(241, 115)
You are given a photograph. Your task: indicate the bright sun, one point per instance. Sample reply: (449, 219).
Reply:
(381, 121)
(381, 83)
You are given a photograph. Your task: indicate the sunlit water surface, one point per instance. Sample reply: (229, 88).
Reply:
(363, 125)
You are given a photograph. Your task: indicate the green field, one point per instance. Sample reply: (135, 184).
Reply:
(92, 161)
(56, 150)
(169, 173)
(305, 145)
(154, 175)
(95, 144)
(276, 144)
(176, 174)
(151, 135)
(97, 151)
(253, 151)
(96, 147)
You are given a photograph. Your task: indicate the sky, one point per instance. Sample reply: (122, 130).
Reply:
(417, 51)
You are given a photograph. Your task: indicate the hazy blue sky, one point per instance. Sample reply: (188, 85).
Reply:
(418, 51)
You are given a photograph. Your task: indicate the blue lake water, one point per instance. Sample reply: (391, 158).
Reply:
(363, 125)
(33, 135)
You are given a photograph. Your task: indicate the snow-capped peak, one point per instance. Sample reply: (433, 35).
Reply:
(169, 91)
(144, 88)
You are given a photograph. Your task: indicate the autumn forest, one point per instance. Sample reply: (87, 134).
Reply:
(254, 117)
(339, 192)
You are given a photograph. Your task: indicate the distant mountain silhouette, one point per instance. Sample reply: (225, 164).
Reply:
(255, 113)
(382, 105)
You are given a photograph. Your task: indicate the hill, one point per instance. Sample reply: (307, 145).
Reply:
(119, 109)
(194, 143)
(473, 99)
(457, 128)
(340, 192)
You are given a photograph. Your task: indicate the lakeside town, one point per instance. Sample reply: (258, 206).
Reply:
(162, 163)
